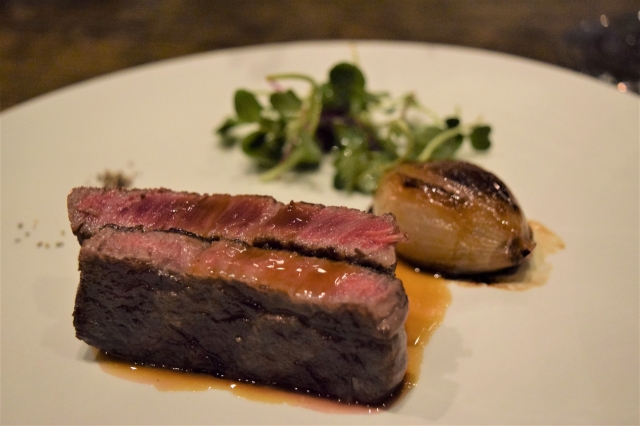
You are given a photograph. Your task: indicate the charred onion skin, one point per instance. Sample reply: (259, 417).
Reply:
(459, 218)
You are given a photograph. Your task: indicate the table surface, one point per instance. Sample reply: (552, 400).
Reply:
(48, 45)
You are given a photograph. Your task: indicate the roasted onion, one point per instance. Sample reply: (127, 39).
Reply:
(459, 218)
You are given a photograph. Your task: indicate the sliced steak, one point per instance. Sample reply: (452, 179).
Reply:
(223, 307)
(337, 233)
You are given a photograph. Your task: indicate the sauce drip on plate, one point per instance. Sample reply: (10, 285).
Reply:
(429, 298)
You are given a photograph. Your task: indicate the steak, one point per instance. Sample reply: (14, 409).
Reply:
(226, 308)
(337, 233)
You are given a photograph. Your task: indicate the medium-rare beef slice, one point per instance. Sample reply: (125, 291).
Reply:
(337, 233)
(223, 307)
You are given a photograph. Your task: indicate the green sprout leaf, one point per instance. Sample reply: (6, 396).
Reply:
(226, 125)
(452, 122)
(286, 103)
(447, 149)
(247, 106)
(263, 147)
(480, 137)
(227, 138)
(345, 90)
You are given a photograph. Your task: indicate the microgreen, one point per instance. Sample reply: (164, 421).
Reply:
(366, 133)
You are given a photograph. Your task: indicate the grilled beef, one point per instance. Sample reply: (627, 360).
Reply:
(337, 233)
(224, 307)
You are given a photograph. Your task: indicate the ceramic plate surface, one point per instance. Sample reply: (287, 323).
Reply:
(566, 144)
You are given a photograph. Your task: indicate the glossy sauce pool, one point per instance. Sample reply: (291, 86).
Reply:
(429, 297)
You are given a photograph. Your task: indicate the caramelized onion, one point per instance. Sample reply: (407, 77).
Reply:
(459, 218)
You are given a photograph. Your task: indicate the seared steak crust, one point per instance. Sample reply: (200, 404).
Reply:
(176, 301)
(337, 233)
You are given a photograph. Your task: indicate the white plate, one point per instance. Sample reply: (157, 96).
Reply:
(566, 352)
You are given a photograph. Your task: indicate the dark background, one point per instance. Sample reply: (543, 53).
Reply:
(45, 45)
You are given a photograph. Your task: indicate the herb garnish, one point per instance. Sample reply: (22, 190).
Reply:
(367, 133)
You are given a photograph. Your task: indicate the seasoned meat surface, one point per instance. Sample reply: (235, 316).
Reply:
(337, 233)
(224, 307)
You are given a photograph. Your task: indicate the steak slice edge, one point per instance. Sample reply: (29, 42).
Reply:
(337, 233)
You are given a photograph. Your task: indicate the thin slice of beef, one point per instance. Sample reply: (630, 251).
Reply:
(223, 307)
(337, 233)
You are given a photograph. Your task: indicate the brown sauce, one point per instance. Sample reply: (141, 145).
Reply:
(429, 298)
(168, 380)
(299, 276)
(535, 271)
